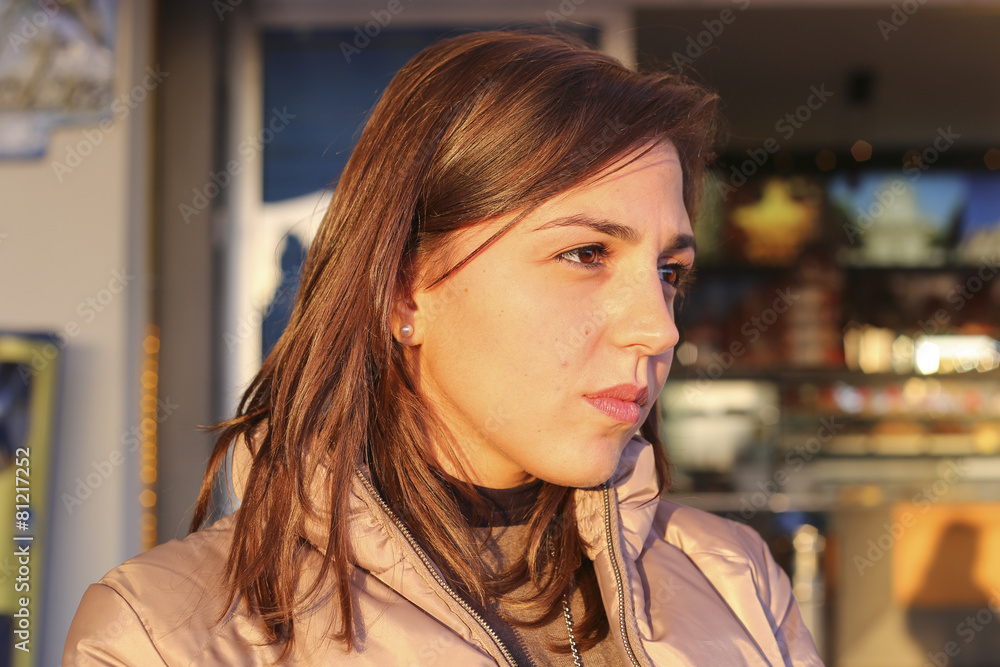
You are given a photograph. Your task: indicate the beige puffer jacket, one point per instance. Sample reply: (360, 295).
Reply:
(680, 587)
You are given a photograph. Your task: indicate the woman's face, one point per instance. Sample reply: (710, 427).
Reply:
(515, 349)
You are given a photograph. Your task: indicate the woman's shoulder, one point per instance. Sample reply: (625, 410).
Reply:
(733, 557)
(696, 531)
(165, 601)
(736, 560)
(176, 568)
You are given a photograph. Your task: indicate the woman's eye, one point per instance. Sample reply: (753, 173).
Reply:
(590, 255)
(670, 274)
(679, 276)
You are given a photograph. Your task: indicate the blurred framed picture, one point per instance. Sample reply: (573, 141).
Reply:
(29, 372)
(58, 65)
(765, 221)
(979, 233)
(898, 218)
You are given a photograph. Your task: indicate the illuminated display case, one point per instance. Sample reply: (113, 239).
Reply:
(839, 366)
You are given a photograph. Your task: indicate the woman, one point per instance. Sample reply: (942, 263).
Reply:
(441, 460)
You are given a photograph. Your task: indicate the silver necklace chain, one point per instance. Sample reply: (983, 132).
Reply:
(567, 616)
(569, 628)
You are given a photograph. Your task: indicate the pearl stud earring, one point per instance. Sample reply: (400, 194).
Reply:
(406, 331)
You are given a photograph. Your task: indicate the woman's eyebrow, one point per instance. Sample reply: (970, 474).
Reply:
(682, 242)
(615, 229)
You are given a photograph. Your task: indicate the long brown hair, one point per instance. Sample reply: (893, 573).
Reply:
(477, 126)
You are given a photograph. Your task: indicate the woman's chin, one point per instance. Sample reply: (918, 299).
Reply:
(582, 474)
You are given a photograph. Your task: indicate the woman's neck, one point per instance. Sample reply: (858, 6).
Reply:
(500, 507)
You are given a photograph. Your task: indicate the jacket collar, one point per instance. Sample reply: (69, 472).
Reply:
(717, 547)
(634, 491)
(373, 530)
(633, 485)
(382, 548)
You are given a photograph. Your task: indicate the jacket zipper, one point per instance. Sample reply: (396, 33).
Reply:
(433, 570)
(618, 575)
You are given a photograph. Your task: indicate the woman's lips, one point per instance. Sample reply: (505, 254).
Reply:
(624, 411)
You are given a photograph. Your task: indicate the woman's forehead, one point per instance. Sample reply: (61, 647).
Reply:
(456, 247)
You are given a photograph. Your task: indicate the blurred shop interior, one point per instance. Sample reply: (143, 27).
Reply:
(837, 384)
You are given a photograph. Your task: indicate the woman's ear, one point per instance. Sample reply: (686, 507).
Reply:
(405, 316)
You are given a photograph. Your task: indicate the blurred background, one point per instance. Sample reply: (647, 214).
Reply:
(163, 166)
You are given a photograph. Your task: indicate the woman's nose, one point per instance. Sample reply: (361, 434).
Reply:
(644, 305)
